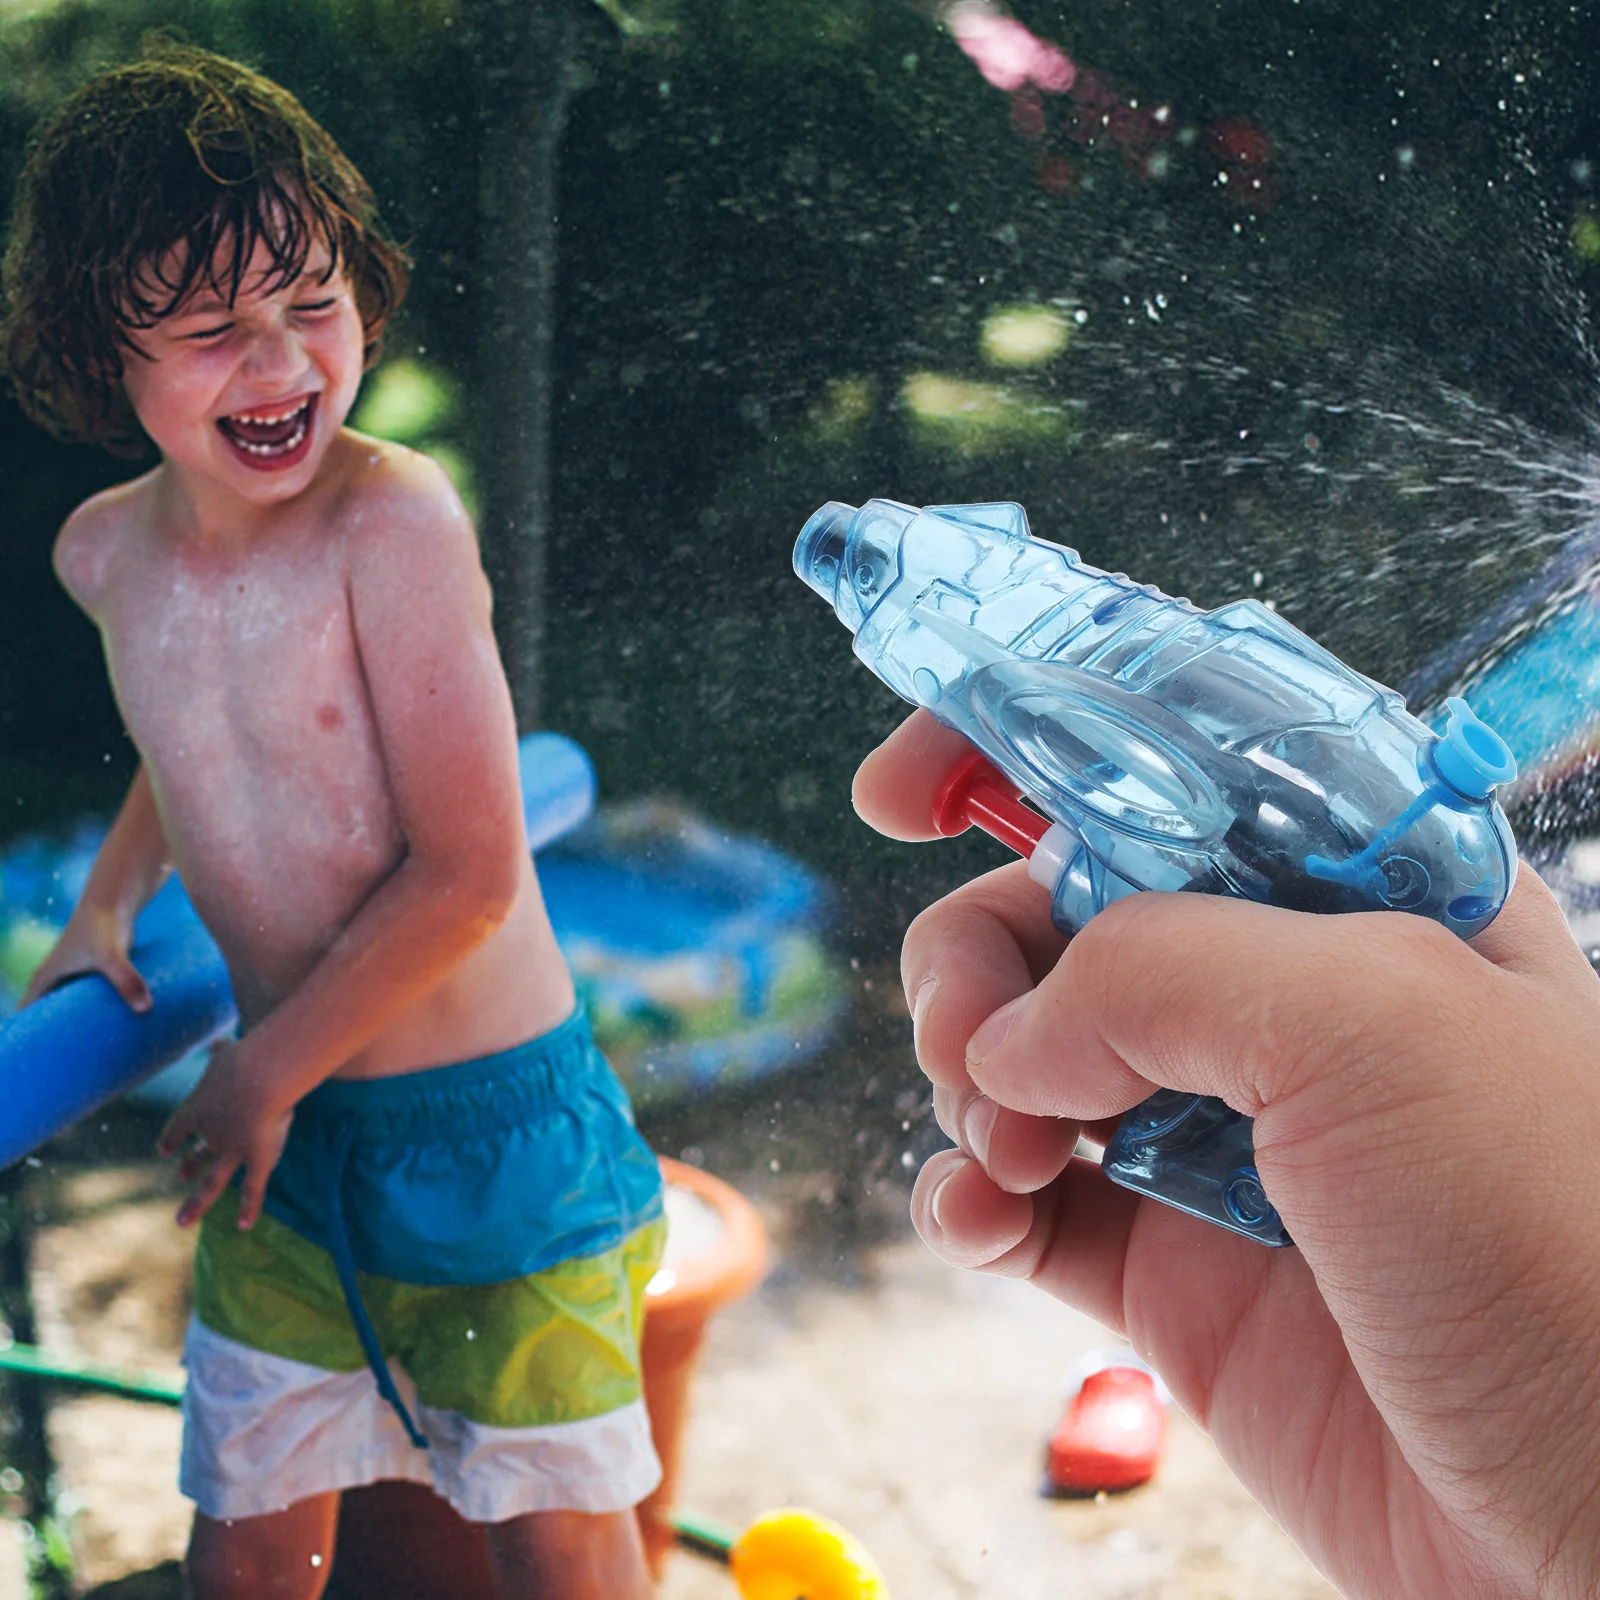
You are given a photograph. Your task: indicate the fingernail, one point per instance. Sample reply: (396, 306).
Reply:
(920, 1002)
(977, 1124)
(992, 1034)
(938, 1195)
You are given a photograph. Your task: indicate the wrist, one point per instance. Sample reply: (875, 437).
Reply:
(106, 923)
(257, 1085)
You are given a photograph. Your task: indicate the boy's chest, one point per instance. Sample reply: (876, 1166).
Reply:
(239, 667)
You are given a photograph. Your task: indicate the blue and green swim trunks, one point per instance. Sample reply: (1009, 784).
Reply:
(446, 1286)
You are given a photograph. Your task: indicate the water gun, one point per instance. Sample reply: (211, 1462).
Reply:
(80, 1045)
(1163, 747)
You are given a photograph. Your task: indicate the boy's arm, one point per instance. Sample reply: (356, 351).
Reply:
(131, 865)
(133, 860)
(420, 606)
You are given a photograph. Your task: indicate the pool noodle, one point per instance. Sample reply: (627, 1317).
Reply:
(80, 1045)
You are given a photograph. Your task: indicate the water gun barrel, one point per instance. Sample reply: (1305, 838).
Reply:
(1163, 747)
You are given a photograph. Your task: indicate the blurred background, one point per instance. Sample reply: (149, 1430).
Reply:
(1283, 298)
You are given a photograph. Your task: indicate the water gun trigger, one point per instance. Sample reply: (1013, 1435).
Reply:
(978, 792)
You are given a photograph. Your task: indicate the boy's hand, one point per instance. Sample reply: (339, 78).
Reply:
(224, 1125)
(1411, 1392)
(92, 941)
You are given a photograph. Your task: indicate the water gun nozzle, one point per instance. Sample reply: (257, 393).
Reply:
(819, 551)
(1470, 756)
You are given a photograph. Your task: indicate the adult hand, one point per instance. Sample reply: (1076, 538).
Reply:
(1412, 1392)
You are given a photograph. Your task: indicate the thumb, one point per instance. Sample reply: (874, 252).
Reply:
(170, 1140)
(1222, 997)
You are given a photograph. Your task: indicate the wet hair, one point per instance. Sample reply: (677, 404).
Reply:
(153, 181)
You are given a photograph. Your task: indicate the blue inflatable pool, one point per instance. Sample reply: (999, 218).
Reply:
(696, 953)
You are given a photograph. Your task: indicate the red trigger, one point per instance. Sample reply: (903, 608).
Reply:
(978, 792)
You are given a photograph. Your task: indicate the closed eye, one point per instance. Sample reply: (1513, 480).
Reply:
(316, 306)
(202, 334)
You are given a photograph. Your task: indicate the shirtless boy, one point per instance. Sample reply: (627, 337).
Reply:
(297, 630)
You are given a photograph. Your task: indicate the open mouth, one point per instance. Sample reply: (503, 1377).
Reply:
(270, 438)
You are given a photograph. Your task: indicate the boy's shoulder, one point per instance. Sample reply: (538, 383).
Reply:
(409, 491)
(86, 546)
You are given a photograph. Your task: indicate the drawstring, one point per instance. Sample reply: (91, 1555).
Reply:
(345, 1265)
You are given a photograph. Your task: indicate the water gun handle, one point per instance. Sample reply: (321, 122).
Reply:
(1148, 1151)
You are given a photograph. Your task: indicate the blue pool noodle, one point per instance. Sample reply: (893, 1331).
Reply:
(80, 1045)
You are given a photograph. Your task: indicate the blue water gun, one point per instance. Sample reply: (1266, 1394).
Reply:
(1163, 747)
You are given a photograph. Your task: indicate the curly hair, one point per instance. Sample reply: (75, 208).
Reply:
(155, 180)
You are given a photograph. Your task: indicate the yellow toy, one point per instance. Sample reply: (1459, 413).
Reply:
(798, 1555)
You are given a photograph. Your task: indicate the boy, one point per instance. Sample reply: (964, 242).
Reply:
(297, 631)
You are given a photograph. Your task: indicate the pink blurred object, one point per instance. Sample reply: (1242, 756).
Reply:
(1006, 53)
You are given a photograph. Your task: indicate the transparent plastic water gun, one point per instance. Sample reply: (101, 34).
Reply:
(1167, 748)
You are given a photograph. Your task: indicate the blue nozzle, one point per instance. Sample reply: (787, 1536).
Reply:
(819, 550)
(1470, 756)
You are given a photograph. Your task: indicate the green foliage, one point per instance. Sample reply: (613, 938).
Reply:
(1586, 233)
(417, 403)
(24, 943)
(406, 400)
(47, 1556)
(643, 19)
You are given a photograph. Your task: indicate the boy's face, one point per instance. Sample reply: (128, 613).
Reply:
(249, 396)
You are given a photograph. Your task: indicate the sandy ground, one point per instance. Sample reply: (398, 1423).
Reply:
(900, 1397)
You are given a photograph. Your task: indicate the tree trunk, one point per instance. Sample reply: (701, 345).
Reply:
(528, 57)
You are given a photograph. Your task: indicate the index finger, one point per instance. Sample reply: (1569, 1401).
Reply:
(967, 955)
(896, 785)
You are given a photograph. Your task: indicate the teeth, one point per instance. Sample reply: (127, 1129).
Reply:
(291, 443)
(264, 418)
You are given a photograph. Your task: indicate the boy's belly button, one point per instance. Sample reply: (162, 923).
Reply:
(329, 717)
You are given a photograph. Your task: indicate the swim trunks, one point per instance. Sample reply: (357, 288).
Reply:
(446, 1286)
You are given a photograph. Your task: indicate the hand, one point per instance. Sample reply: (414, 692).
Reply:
(1411, 1392)
(225, 1124)
(92, 941)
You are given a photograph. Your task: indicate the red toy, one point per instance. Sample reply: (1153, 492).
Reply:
(1112, 1436)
